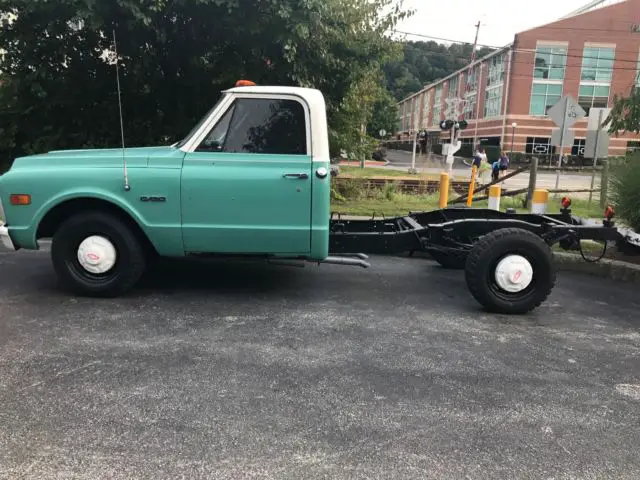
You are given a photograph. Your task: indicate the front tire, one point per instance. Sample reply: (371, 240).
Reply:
(511, 271)
(97, 254)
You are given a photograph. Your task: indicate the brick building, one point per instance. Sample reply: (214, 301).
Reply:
(591, 54)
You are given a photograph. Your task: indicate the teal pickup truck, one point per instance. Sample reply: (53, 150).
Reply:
(252, 178)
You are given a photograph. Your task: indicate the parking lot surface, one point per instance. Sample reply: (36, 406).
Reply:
(248, 370)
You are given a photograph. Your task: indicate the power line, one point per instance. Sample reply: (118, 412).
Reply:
(507, 46)
(445, 39)
(455, 57)
(547, 27)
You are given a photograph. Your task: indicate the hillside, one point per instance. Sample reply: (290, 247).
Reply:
(425, 62)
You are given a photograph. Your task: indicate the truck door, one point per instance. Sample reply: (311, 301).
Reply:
(246, 188)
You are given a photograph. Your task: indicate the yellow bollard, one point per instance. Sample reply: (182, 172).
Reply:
(444, 190)
(494, 197)
(539, 201)
(472, 185)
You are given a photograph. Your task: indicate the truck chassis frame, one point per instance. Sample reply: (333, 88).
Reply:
(454, 235)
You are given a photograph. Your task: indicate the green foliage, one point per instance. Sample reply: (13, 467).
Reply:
(625, 190)
(390, 190)
(384, 115)
(425, 62)
(625, 113)
(176, 57)
(354, 114)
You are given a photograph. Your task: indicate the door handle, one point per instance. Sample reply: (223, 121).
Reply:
(299, 176)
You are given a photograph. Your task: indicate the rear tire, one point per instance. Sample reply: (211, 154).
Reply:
(511, 271)
(451, 262)
(97, 254)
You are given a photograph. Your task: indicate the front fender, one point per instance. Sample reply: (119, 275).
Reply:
(25, 234)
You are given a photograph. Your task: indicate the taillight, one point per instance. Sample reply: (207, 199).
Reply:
(609, 213)
(20, 199)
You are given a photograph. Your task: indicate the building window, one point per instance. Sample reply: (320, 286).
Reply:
(595, 79)
(489, 141)
(437, 106)
(578, 148)
(407, 115)
(633, 147)
(472, 80)
(453, 87)
(496, 70)
(638, 73)
(550, 63)
(539, 146)
(470, 105)
(426, 109)
(493, 102)
(544, 96)
(593, 96)
(597, 64)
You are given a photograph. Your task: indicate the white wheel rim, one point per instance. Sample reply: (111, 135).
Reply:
(514, 273)
(97, 254)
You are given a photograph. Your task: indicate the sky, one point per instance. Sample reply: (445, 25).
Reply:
(500, 19)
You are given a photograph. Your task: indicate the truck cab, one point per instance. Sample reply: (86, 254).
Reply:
(251, 178)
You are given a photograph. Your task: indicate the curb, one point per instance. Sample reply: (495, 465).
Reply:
(605, 268)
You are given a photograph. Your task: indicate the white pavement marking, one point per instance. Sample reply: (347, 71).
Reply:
(629, 390)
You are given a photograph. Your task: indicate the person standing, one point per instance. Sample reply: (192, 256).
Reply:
(479, 158)
(503, 163)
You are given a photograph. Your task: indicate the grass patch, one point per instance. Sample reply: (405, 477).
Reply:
(369, 172)
(393, 204)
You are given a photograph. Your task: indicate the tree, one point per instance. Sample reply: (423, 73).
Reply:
(425, 62)
(625, 113)
(625, 174)
(176, 56)
(384, 115)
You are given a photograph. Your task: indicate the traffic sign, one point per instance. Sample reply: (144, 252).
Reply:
(382, 133)
(597, 144)
(559, 140)
(566, 112)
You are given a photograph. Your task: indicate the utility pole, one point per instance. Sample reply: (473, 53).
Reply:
(475, 42)
(467, 86)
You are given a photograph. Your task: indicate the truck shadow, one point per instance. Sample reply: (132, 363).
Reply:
(236, 275)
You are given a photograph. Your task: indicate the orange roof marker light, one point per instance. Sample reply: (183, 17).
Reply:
(245, 83)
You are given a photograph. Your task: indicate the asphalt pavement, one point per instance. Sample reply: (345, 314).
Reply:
(237, 370)
(401, 160)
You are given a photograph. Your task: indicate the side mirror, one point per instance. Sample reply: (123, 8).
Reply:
(211, 146)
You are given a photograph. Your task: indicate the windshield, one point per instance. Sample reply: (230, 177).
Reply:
(199, 124)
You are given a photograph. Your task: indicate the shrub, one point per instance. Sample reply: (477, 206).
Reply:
(350, 189)
(625, 190)
(390, 190)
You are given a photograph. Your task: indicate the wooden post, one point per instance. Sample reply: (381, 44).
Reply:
(472, 185)
(444, 190)
(533, 177)
(604, 184)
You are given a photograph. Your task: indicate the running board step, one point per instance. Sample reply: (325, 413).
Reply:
(345, 260)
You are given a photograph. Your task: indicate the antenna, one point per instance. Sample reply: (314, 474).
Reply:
(127, 187)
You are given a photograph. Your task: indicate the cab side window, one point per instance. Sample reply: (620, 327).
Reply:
(259, 125)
